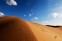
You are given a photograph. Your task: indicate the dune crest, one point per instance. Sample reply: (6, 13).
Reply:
(16, 29)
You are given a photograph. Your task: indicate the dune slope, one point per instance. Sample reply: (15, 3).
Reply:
(45, 33)
(15, 29)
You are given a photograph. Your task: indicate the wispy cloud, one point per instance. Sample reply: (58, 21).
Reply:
(30, 15)
(24, 15)
(57, 15)
(11, 2)
(34, 19)
(52, 22)
(53, 19)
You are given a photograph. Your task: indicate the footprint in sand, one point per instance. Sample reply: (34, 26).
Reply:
(55, 37)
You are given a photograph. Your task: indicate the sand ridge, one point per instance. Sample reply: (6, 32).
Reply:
(16, 29)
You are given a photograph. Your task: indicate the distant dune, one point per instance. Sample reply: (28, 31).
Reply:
(54, 26)
(16, 29)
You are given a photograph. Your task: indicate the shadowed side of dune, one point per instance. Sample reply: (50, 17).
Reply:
(15, 29)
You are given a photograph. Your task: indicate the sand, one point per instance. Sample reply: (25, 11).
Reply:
(16, 29)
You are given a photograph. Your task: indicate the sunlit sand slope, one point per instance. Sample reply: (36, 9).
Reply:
(45, 33)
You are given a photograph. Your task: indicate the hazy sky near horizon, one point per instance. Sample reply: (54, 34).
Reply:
(39, 11)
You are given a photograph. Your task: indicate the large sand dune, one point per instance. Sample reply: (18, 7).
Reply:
(16, 29)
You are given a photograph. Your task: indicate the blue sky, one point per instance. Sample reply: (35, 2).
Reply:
(39, 11)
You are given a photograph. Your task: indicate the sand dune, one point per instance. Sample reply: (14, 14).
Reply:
(45, 33)
(16, 29)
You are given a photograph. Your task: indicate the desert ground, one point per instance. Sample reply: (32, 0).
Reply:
(17, 29)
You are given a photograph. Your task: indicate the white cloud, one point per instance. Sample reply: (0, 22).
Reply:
(11, 2)
(36, 18)
(56, 15)
(24, 15)
(54, 19)
(30, 15)
(1, 14)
